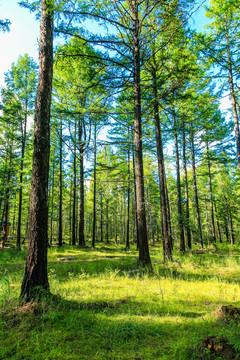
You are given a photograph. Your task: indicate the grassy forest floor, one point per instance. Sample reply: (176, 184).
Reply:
(104, 308)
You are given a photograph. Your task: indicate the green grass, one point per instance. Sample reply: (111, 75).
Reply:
(104, 308)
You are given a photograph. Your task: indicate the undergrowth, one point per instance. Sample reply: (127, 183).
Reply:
(102, 306)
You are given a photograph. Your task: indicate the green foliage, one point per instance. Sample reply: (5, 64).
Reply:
(102, 307)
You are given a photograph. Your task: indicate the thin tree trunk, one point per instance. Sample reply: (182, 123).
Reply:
(211, 193)
(74, 188)
(167, 251)
(94, 186)
(35, 275)
(128, 193)
(196, 193)
(179, 198)
(187, 223)
(233, 95)
(81, 206)
(60, 188)
(51, 228)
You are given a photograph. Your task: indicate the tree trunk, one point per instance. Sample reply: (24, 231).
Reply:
(74, 188)
(60, 188)
(81, 206)
(179, 198)
(128, 193)
(187, 223)
(233, 95)
(94, 186)
(196, 193)
(144, 256)
(51, 226)
(167, 252)
(35, 276)
(211, 193)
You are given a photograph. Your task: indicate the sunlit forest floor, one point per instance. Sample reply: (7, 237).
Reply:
(104, 307)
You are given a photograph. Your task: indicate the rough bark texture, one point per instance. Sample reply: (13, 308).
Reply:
(144, 256)
(35, 276)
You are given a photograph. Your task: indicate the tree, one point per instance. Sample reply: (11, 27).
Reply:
(35, 276)
(22, 80)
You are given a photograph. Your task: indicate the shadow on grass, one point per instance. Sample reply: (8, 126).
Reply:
(70, 330)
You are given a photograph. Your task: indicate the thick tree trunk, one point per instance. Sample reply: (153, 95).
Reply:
(196, 193)
(187, 222)
(60, 188)
(144, 256)
(179, 197)
(35, 276)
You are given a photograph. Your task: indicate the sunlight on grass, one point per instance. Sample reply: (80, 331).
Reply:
(109, 309)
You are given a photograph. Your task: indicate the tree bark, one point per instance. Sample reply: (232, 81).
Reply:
(81, 206)
(94, 186)
(232, 94)
(35, 276)
(179, 197)
(211, 193)
(60, 188)
(24, 132)
(196, 192)
(187, 223)
(74, 187)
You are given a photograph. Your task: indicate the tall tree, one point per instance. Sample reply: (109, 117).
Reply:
(35, 275)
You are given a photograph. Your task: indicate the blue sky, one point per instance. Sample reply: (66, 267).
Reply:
(22, 38)
(24, 34)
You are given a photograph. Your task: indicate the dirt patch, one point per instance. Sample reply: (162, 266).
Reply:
(228, 313)
(215, 347)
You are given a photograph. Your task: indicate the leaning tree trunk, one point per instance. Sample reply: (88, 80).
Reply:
(35, 276)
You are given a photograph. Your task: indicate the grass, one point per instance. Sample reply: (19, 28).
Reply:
(104, 308)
